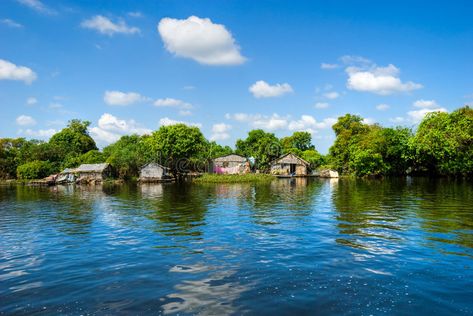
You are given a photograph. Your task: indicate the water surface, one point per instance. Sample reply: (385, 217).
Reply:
(334, 247)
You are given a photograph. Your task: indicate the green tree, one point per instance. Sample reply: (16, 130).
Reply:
(74, 139)
(90, 157)
(179, 145)
(128, 155)
(264, 147)
(34, 170)
(443, 142)
(299, 140)
(215, 150)
(348, 131)
(313, 157)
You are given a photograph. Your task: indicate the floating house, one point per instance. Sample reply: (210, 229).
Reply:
(154, 172)
(289, 165)
(231, 164)
(66, 176)
(93, 172)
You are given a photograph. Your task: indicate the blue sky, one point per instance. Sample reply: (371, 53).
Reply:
(229, 66)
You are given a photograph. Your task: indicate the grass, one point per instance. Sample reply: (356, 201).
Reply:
(233, 178)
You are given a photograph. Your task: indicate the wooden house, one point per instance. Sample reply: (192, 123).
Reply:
(231, 164)
(93, 172)
(154, 172)
(290, 165)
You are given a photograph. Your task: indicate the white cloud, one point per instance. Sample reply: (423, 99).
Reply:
(185, 112)
(309, 124)
(277, 122)
(135, 14)
(321, 105)
(55, 105)
(220, 131)
(170, 102)
(10, 71)
(166, 121)
(328, 66)
(369, 121)
(201, 40)
(425, 104)
(378, 80)
(25, 120)
(397, 120)
(122, 98)
(352, 59)
(31, 101)
(261, 89)
(382, 107)
(105, 26)
(110, 129)
(418, 115)
(39, 134)
(332, 95)
(38, 6)
(272, 122)
(11, 23)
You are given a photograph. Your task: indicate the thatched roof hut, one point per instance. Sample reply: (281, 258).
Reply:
(93, 172)
(289, 164)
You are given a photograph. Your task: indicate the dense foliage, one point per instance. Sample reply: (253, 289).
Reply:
(441, 145)
(263, 146)
(34, 170)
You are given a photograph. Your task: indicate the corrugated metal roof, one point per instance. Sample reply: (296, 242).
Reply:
(230, 157)
(97, 167)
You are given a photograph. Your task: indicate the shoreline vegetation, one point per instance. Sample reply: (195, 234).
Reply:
(441, 145)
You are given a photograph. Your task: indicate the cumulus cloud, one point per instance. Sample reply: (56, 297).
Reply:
(220, 131)
(418, 115)
(166, 121)
(135, 14)
(38, 134)
(110, 128)
(106, 26)
(37, 5)
(332, 95)
(201, 40)
(10, 71)
(382, 107)
(122, 98)
(321, 105)
(11, 23)
(326, 66)
(170, 102)
(261, 89)
(397, 119)
(309, 124)
(425, 104)
(278, 122)
(378, 80)
(31, 101)
(25, 120)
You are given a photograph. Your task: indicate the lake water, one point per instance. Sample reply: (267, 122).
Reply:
(292, 247)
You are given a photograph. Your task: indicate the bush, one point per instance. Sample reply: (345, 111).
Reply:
(34, 170)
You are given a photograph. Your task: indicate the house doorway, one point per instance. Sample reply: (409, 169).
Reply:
(292, 168)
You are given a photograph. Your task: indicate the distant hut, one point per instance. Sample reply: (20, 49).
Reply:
(231, 164)
(289, 164)
(66, 176)
(93, 172)
(154, 172)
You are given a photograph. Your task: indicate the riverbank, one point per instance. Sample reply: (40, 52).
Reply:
(234, 178)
